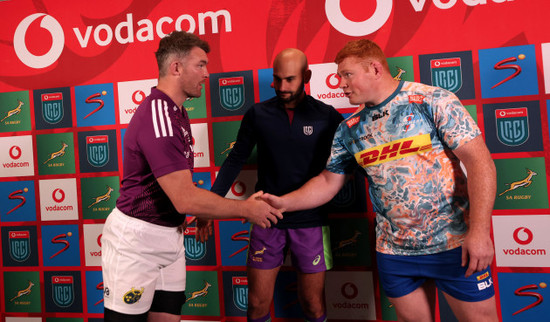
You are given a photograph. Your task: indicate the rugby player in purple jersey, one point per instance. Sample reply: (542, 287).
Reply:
(143, 255)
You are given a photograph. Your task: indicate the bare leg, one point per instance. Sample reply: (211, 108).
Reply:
(483, 311)
(163, 317)
(419, 305)
(261, 284)
(311, 293)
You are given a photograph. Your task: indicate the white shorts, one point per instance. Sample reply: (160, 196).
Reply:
(138, 258)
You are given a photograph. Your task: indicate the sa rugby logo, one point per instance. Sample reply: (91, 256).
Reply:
(446, 73)
(232, 93)
(512, 125)
(97, 148)
(52, 107)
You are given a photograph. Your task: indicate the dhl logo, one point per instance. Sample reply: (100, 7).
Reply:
(394, 150)
(483, 276)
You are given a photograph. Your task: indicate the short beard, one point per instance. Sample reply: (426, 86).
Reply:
(293, 96)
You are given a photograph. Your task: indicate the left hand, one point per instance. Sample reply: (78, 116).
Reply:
(204, 230)
(477, 252)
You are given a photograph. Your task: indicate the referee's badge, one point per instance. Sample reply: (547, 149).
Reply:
(308, 129)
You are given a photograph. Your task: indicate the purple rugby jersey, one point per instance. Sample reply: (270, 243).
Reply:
(157, 142)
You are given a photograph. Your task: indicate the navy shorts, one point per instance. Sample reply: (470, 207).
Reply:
(309, 248)
(400, 275)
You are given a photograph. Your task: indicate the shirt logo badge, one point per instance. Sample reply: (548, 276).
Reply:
(308, 130)
(512, 125)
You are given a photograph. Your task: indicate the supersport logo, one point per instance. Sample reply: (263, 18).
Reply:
(502, 65)
(57, 240)
(93, 99)
(14, 196)
(522, 291)
(239, 236)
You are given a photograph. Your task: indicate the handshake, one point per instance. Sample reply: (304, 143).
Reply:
(260, 209)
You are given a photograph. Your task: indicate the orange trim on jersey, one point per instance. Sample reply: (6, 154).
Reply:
(394, 150)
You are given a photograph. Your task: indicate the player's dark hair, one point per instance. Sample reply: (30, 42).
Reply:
(179, 43)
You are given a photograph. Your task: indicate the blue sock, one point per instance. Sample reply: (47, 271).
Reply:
(266, 318)
(322, 318)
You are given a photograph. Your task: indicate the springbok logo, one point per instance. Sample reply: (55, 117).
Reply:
(350, 241)
(400, 72)
(26, 291)
(357, 29)
(521, 183)
(13, 112)
(201, 292)
(103, 197)
(57, 154)
(58, 41)
(231, 144)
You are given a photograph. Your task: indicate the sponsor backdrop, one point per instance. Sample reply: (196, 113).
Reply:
(72, 74)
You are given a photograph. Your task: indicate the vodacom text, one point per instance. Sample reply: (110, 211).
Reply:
(127, 31)
(382, 13)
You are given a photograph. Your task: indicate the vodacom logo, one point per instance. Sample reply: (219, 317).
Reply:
(138, 97)
(58, 41)
(349, 290)
(58, 195)
(15, 152)
(523, 235)
(352, 28)
(238, 188)
(333, 81)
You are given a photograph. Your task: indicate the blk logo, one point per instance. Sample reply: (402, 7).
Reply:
(523, 235)
(58, 41)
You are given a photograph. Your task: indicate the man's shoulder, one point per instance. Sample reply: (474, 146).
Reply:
(424, 89)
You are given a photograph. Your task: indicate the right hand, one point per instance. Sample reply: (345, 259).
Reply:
(272, 200)
(259, 212)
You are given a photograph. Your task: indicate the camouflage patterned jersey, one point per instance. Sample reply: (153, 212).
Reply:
(416, 184)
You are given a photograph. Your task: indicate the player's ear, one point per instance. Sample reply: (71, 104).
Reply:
(377, 68)
(307, 76)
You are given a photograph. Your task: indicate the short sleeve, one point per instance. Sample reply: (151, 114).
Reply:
(341, 160)
(166, 150)
(454, 123)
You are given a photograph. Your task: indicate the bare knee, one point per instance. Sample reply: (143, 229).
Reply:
(258, 306)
